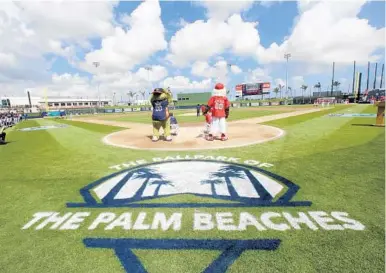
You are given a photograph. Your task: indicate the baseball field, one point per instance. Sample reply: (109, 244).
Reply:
(294, 189)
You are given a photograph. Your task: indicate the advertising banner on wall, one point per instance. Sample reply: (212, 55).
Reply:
(239, 90)
(250, 89)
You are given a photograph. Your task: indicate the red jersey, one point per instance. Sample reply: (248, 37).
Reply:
(218, 104)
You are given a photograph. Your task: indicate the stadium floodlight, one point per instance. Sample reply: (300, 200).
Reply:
(149, 68)
(230, 66)
(97, 64)
(286, 56)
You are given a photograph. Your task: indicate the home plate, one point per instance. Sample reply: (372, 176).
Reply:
(192, 138)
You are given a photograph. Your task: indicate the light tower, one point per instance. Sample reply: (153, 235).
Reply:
(97, 64)
(286, 56)
(148, 68)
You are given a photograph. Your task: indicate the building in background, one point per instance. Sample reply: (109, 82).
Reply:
(20, 101)
(52, 103)
(193, 98)
(66, 103)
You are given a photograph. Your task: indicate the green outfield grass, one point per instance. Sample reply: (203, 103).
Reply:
(235, 114)
(337, 165)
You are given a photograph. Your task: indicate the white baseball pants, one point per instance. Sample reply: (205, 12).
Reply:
(219, 126)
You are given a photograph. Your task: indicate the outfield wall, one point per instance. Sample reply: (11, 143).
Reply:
(243, 104)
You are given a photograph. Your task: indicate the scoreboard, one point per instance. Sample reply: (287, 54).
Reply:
(250, 89)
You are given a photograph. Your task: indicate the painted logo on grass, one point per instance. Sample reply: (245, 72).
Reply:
(38, 128)
(206, 183)
(184, 182)
(218, 184)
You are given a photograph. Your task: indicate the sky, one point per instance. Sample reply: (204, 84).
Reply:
(52, 47)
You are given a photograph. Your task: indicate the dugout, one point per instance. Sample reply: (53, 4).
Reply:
(193, 98)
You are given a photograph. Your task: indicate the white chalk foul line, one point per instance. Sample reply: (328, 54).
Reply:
(280, 134)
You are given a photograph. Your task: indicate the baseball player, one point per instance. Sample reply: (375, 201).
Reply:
(219, 105)
(205, 109)
(173, 125)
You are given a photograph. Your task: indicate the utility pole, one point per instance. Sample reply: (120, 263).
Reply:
(359, 87)
(383, 68)
(375, 76)
(230, 66)
(368, 76)
(286, 56)
(97, 64)
(148, 68)
(333, 75)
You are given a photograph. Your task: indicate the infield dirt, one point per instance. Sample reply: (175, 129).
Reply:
(190, 136)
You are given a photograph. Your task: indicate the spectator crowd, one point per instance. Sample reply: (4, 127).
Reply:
(8, 119)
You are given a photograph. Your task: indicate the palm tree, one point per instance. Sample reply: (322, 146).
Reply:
(212, 183)
(304, 88)
(276, 90)
(336, 84)
(262, 192)
(143, 93)
(289, 90)
(319, 86)
(131, 94)
(281, 87)
(147, 174)
(227, 173)
(159, 184)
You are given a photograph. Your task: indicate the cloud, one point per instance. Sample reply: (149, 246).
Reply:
(236, 70)
(279, 81)
(154, 74)
(29, 30)
(296, 82)
(127, 47)
(236, 35)
(181, 22)
(258, 75)
(328, 31)
(221, 10)
(219, 71)
(120, 83)
(182, 84)
(269, 3)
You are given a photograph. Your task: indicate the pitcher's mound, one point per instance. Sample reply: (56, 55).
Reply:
(192, 138)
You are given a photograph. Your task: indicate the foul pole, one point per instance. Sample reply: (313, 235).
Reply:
(333, 75)
(359, 87)
(353, 80)
(368, 76)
